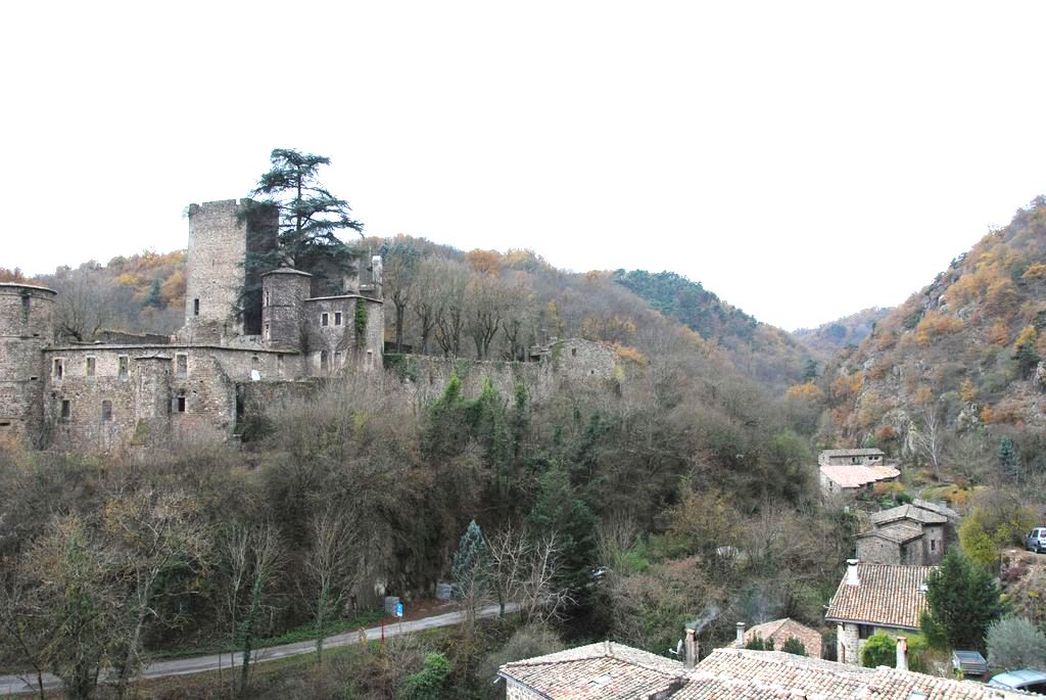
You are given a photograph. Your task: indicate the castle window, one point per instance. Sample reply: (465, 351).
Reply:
(107, 411)
(195, 307)
(89, 369)
(25, 307)
(337, 318)
(268, 298)
(267, 333)
(324, 319)
(179, 402)
(121, 366)
(181, 365)
(67, 409)
(323, 359)
(573, 352)
(59, 367)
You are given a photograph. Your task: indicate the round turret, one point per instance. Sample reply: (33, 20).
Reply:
(26, 328)
(284, 292)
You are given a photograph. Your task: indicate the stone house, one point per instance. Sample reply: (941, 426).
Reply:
(779, 631)
(873, 598)
(908, 534)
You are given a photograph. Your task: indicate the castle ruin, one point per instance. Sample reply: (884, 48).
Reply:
(103, 396)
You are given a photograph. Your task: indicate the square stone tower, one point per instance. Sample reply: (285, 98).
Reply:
(221, 234)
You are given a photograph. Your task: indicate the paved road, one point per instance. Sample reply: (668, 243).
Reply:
(13, 685)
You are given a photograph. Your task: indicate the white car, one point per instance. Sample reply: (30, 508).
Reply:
(1036, 540)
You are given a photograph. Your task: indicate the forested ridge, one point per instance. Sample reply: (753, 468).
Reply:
(685, 484)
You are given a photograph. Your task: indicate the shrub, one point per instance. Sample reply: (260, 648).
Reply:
(1014, 642)
(429, 681)
(879, 650)
(793, 646)
(760, 644)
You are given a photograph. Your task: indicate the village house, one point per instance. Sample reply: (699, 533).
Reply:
(615, 671)
(779, 632)
(850, 471)
(909, 534)
(875, 598)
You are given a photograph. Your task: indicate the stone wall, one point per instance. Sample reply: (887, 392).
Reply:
(26, 327)
(879, 550)
(154, 393)
(334, 341)
(571, 364)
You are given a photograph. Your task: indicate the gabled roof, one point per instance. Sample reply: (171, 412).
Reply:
(851, 476)
(735, 674)
(899, 533)
(908, 512)
(936, 508)
(781, 630)
(885, 595)
(598, 670)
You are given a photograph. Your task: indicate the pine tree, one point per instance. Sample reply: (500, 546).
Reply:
(310, 218)
(963, 599)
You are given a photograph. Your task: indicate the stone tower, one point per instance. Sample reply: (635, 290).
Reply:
(26, 328)
(221, 234)
(284, 292)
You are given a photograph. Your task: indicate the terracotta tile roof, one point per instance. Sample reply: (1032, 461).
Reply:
(908, 512)
(781, 630)
(602, 670)
(886, 595)
(851, 476)
(895, 532)
(742, 674)
(726, 674)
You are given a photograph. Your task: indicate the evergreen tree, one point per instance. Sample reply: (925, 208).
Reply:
(558, 509)
(963, 600)
(471, 558)
(310, 218)
(1010, 459)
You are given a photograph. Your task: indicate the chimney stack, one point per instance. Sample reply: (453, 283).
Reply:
(690, 643)
(902, 653)
(740, 634)
(851, 573)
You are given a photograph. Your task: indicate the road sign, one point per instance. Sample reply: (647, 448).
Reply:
(399, 609)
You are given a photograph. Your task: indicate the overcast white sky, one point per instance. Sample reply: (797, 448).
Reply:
(801, 160)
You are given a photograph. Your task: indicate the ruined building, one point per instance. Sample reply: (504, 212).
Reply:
(105, 396)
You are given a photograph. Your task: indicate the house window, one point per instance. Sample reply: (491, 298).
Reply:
(59, 367)
(121, 366)
(90, 367)
(67, 409)
(324, 319)
(573, 352)
(865, 631)
(181, 365)
(933, 545)
(195, 307)
(323, 359)
(179, 402)
(337, 358)
(107, 411)
(337, 318)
